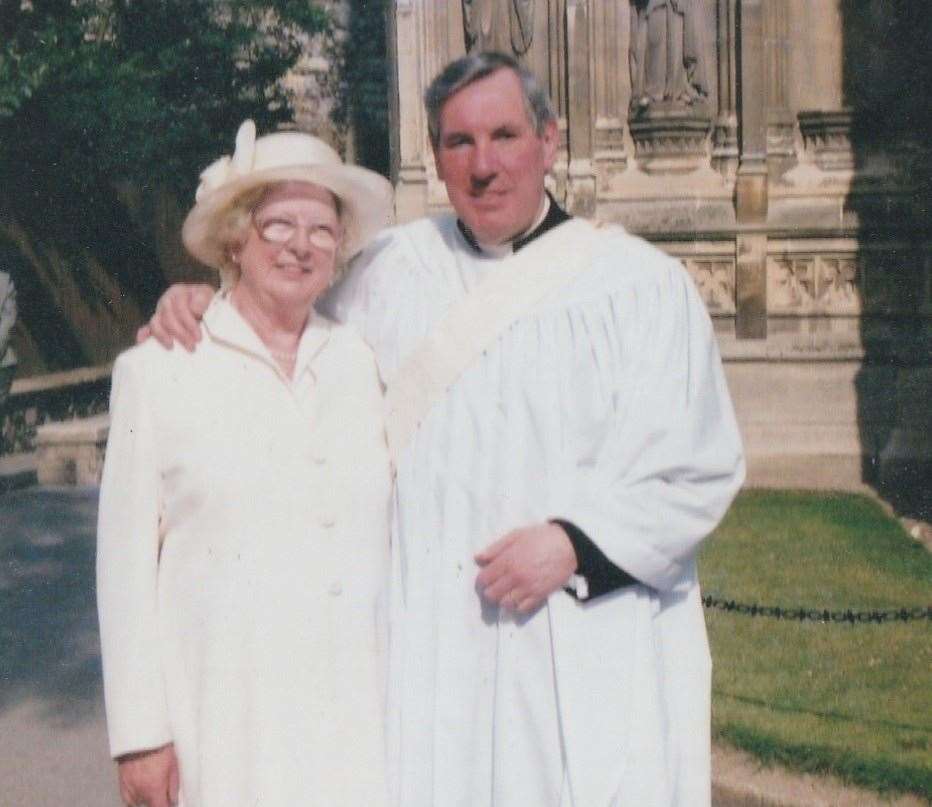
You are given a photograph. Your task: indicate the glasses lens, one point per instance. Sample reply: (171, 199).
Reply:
(322, 238)
(281, 231)
(277, 231)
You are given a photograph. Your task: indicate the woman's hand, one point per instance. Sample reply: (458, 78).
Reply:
(178, 316)
(149, 778)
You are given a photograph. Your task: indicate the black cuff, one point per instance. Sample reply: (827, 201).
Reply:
(602, 576)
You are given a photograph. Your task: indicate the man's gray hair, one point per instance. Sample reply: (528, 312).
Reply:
(475, 66)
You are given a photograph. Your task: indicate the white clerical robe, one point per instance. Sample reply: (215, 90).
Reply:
(606, 406)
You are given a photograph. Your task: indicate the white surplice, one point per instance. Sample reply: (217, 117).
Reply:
(606, 406)
(242, 563)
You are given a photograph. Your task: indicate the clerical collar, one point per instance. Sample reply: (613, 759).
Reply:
(550, 217)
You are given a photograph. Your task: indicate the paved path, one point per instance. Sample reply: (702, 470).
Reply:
(54, 746)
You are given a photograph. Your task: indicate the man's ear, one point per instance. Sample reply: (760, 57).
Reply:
(551, 141)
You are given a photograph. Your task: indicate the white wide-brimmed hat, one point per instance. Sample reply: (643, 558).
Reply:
(365, 197)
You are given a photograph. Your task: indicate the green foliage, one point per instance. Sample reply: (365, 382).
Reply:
(365, 90)
(853, 700)
(99, 92)
(108, 110)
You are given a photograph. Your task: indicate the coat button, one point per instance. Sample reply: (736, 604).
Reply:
(336, 589)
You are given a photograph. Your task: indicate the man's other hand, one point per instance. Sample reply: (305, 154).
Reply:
(525, 567)
(178, 316)
(149, 777)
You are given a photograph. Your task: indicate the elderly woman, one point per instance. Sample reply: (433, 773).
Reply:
(242, 540)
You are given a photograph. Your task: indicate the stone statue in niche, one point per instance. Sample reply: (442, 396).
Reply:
(480, 25)
(522, 26)
(477, 24)
(666, 56)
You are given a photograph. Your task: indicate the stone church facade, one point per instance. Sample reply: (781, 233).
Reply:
(740, 136)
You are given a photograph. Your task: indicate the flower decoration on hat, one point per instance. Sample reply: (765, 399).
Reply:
(244, 155)
(222, 171)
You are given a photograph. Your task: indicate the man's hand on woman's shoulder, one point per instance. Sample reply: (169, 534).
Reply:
(178, 315)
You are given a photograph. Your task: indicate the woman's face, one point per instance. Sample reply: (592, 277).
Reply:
(289, 255)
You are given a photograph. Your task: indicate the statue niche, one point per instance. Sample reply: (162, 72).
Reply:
(522, 26)
(669, 116)
(478, 16)
(483, 24)
(666, 56)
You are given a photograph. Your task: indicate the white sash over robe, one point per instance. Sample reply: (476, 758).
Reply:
(606, 405)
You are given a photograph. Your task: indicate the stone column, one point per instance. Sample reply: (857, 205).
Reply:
(781, 153)
(609, 33)
(425, 36)
(725, 138)
(580, 190)
(557, 82)
(751, 186)
(408, 124)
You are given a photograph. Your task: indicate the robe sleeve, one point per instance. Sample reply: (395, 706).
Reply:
(671, 460)
(127, 571)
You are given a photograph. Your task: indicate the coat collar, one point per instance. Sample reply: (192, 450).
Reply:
(225, 325)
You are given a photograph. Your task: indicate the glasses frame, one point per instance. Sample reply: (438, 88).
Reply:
(311, 230)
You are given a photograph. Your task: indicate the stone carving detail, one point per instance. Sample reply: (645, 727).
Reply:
(478, 16)
(666, 57)
(837, 287)
(670, 141)
(822, 284)
(715, 280)
(827, 136)
(791, 284)
(669, 118)
(522, 25)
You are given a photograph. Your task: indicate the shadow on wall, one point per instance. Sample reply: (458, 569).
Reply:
(49, 646)
(887, 53)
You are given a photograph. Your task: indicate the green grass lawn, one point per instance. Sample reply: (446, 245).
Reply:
(853, 700)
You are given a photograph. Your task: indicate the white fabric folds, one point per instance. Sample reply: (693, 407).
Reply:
(605, 405)
(510, 292)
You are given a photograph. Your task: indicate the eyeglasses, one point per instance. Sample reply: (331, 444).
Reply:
(280, 232)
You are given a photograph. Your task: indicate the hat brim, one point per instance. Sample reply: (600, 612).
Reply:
(365, 198)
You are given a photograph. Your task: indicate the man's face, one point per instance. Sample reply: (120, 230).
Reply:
(491, 158)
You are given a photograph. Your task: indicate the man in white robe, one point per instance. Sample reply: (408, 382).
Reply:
(548, 642)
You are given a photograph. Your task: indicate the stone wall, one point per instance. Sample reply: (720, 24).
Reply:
(776, 158)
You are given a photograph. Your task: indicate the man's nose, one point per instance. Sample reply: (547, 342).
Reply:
(484, 162)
